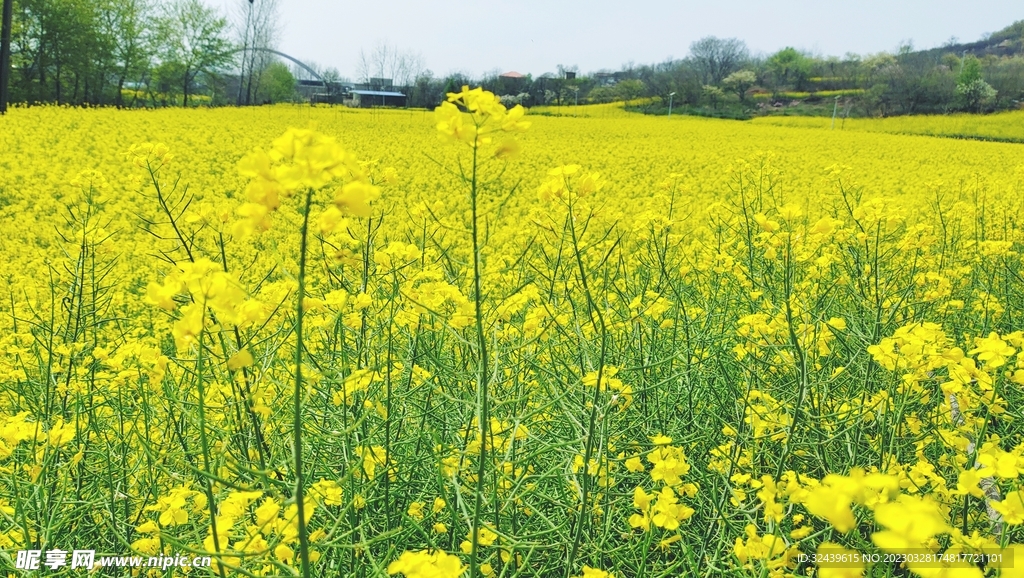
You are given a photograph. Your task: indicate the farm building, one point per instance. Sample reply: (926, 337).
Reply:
(512, 82)
(369, 98)
(609, 78)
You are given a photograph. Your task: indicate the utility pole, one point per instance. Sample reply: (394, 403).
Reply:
(5, 53)
(835, 107)
(247, 55)
(670, 95)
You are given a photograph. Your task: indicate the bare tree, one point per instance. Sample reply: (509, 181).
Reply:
(411, 67)
(717, 58)
(388, 61)
(331, 75)
(364, 68)
(256, 24)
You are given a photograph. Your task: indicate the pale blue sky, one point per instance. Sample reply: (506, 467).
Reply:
(534, 36)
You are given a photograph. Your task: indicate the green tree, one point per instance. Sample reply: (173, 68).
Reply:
(630, 89)
(970, 70)
(276, 84)
(126, 23)
(1007, 78)
(788, 67)
(166, 79)
(740, 82)
(194, 37)
(602, 94)
(973, 93)
(1013, 33)
(713, 95)
(62, 54)
(427, 91)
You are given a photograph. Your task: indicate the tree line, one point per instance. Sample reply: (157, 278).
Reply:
(143, 53)
(721, 77)
(131, 53)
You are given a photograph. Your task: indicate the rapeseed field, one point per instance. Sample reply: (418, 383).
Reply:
(999, 127)
(472, 342)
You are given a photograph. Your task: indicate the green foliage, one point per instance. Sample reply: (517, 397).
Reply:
(630, 89)
(740, 82)
(277, 84)
(972, 92)
(56, 44)
(788, 66)
(970, 70)
(126, 24)
(192, 37)
(166, 78)
(168, 51)
(1006, 76)
(94, 51)
(975, 95)
(1013, 32)
(602, 94)
(713, 95)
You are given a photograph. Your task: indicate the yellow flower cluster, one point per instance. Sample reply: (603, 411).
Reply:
(202, 287)
(565, 188)
(769, 548)
(622, 395)
(663, 509)
(474, 116)
(908, 523)
(302, 159)
(425, 564)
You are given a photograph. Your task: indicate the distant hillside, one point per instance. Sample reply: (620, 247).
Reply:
(1007, 42)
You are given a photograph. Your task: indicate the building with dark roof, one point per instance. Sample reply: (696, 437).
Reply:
(367, 98)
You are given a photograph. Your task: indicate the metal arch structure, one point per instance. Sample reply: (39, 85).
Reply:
(298, 62)
(283, 55)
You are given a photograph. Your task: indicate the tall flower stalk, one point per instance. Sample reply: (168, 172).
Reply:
(474, 117)
(302, 160)
(566, 188)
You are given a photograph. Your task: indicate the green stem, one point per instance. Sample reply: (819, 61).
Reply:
(297, 399)
(588, 451)
(205, 444)
(483, 402)
(801, 360)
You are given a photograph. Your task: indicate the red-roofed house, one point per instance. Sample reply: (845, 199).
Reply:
(511, 83)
